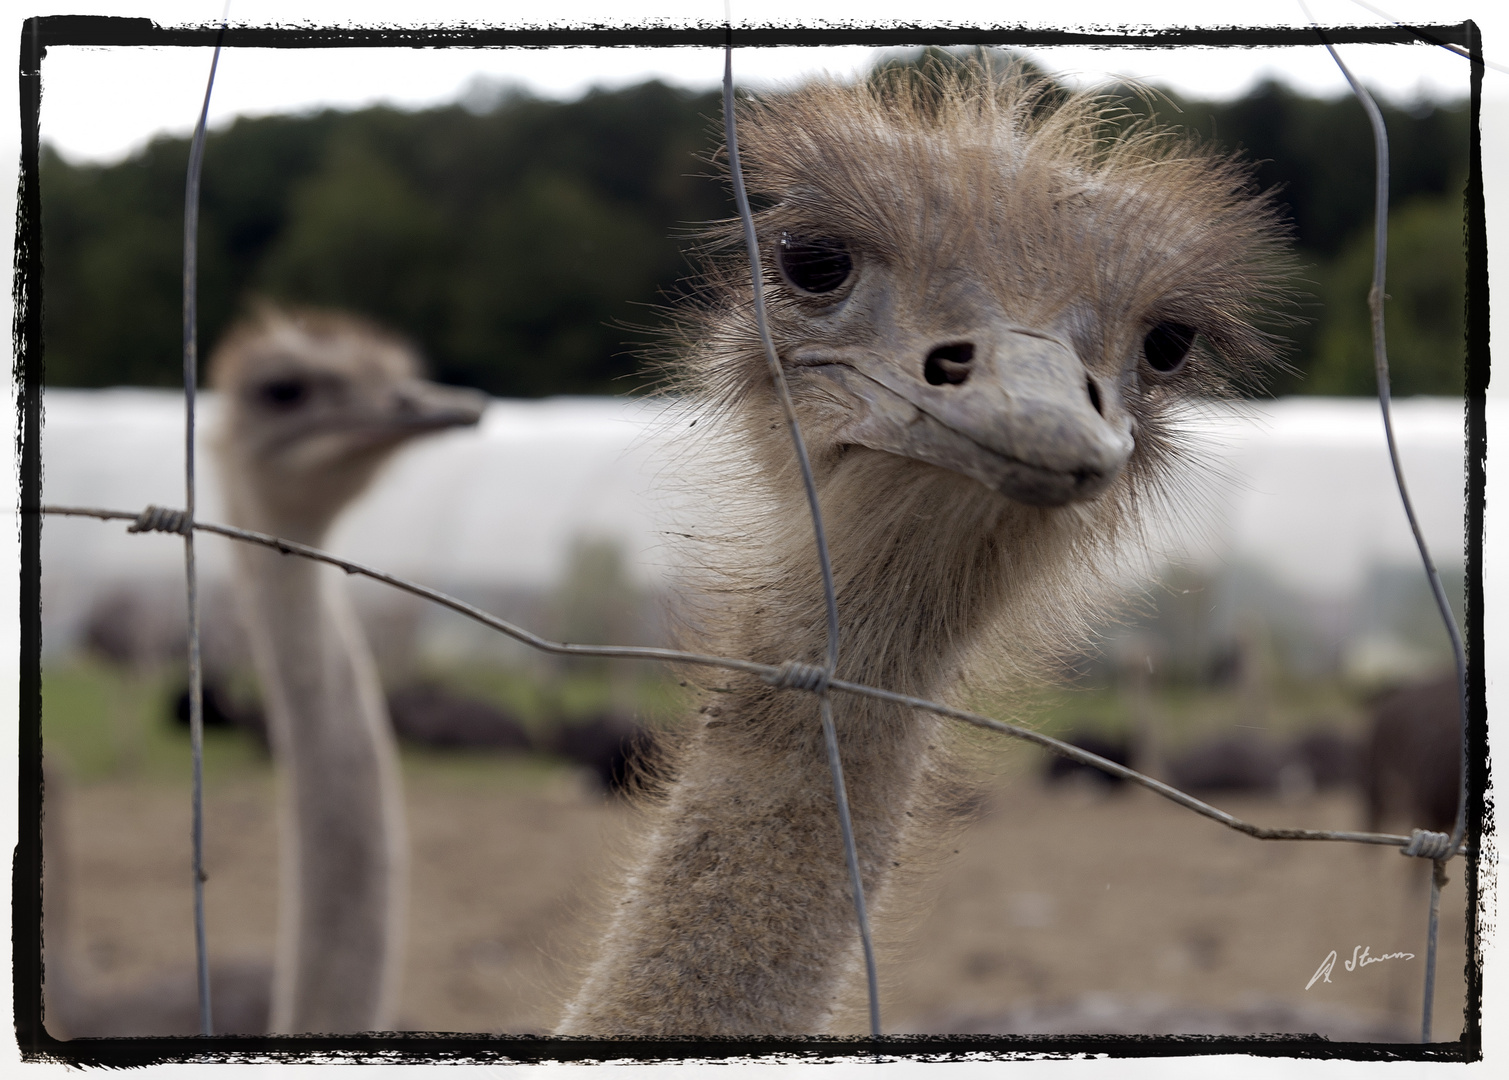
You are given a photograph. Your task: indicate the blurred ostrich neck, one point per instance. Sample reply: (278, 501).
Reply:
(738, 919)
(341, 900)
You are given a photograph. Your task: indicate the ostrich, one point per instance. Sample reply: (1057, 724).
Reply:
(1411, 769)
(314, 403)
(989, 305)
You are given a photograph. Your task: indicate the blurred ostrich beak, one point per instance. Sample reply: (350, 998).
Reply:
(419, 406)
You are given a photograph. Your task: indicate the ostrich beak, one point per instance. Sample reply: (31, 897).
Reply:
(379, 423)
(413, 407)
(1015, 409)
(419, 406)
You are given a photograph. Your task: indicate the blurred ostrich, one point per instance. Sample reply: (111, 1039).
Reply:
(990, 307)
(314, 403)
(617, 750)
(430, 714)
(1412, 762)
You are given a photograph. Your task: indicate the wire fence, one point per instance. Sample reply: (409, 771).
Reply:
(1434, 850)
(819, 680)
(190, 570)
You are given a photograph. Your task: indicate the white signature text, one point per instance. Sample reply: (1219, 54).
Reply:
(1360, 959)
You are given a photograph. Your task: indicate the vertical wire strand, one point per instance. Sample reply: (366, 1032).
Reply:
(778, 377)
(851, 857)
(196, 677)
(1380, 368)
(1437, 879)
(777, 374)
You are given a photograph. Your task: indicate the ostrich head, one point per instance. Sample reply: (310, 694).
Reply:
(314, 403)
(966, 273)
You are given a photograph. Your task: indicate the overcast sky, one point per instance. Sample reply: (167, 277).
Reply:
(100, 104)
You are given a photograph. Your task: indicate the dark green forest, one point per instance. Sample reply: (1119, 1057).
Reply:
(527, 246)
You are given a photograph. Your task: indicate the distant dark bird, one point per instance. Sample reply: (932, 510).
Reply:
(134, 627)
(222, 710)
(1224, 667)
(1329, 758)
(1412, 763)
(614, 747)
(1235, 762)
(429, 714)
(1118, 749)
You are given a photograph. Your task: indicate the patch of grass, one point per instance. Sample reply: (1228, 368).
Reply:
(1054, 710)
(1184, 713)
(103, 722)
(542, 702)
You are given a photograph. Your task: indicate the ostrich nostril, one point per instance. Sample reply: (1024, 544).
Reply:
(1094, 395)
(948, 364)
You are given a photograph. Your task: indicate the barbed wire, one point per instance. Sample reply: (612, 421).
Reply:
(789, 675)
(190, 569)
(819, 533)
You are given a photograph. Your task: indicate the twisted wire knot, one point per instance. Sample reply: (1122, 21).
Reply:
(1427, 845)
(160, 519)
(794, 676)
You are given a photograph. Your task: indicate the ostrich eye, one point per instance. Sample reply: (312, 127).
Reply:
(1167, 346)
(283, 393)
(814, 265)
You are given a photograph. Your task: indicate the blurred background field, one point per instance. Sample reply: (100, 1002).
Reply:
(1070, 906)
(1060, 907)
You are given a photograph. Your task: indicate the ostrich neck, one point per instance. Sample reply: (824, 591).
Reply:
(738, 919)
(343, 849)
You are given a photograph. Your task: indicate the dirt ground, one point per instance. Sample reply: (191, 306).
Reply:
(1064, 910)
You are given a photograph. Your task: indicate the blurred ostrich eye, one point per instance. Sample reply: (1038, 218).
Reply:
(284, 393)
(1167, 346)
(814, 265)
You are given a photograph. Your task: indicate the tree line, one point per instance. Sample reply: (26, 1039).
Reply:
(528, 246)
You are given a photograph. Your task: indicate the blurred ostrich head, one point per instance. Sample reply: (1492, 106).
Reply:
(314, 403)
